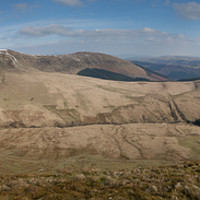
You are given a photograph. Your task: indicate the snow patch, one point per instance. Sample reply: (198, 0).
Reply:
(3, 49)
(12, 58)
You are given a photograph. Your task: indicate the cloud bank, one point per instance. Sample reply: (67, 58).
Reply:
(147, 33)
(69, 2)
(60, 39)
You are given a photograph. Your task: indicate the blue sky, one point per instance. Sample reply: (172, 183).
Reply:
(119, 27)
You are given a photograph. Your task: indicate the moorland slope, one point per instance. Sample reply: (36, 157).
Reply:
(72, 64)
(51, 120)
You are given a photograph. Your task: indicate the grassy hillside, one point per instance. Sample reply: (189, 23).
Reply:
(49, 120)
(69, 136)
(103, 146)
(41, 99)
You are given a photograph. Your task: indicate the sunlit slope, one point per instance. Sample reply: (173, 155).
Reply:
(41, 99)
(54, 120)
(103, 146)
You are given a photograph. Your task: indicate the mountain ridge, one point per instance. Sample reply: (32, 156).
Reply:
(72, 64)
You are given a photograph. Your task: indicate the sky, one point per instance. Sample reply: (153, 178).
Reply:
(124, 28)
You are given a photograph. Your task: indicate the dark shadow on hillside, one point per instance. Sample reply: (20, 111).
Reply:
(107, 75)
(196, 122)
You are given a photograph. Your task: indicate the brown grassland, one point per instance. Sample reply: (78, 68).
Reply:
(64, 136)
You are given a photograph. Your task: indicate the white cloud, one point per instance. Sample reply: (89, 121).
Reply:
(72, 2)
(24, 7)
(60, 39)
(69, 2)
(21, 6)
(151, 46)
(167, 2)
(45, 31)
(149, 30)
(97, 34)
(189, 10)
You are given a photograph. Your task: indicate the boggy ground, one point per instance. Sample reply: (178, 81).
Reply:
(178, 182)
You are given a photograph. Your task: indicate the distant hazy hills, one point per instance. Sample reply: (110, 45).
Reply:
(173, 67)
(112, 67)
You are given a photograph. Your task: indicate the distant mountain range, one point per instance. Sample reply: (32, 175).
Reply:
(173, 67)
(76, 63)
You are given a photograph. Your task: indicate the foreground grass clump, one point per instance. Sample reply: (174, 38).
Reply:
(157, 183)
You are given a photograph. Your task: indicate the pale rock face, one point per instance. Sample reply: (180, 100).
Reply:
(6, 55)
